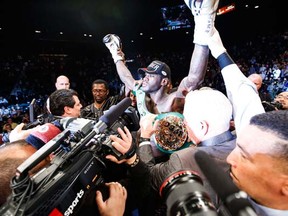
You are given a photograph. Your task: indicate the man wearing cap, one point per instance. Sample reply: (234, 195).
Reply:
(157, 76)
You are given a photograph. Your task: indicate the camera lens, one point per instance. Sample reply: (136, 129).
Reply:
(184, 194)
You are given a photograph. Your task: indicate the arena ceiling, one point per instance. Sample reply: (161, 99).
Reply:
(128, 18)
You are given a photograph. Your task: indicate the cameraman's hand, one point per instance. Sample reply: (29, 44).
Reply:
(115, 204)
(17, 133)
(123, 145)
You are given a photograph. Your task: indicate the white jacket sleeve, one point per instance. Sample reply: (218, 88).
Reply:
(243, 95)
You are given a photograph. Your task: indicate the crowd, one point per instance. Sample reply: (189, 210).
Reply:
(219, 104)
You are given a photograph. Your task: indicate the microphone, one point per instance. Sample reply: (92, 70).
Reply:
(234, 200)
(112, 115)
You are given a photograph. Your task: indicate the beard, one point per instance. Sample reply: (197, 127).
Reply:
(99, 100)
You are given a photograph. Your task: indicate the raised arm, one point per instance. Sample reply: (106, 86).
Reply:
(113, 43)
(204, 16)
(197, 70)
(241, 92)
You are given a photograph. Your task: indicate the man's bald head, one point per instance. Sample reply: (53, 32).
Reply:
(256, 79)
(62, 82)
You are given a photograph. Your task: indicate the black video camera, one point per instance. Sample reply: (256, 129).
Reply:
(62, 187)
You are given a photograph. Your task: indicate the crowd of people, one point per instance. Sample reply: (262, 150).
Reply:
(233, 107)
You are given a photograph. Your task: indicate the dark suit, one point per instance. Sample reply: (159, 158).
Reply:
(217, 147)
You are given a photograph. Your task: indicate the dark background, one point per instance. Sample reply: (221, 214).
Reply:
(127, 18)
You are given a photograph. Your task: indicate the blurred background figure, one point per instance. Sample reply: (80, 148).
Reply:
(3, 101)
(256, 79)
(282, 98)
(102, 100)
(62, 82)
(7, 128)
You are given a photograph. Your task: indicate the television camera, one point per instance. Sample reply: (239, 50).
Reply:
(75, 170)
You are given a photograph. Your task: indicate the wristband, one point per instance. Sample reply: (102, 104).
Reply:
(224, 60)
(143, 139)
(130, 153)
(135, 162)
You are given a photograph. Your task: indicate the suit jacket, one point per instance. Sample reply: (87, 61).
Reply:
(217, 147)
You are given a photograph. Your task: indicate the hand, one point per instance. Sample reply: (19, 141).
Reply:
(204, 12)
(113, 43)
(138, 84)
(148, 125)
(17, 133)
(122, 145)
(115, 204)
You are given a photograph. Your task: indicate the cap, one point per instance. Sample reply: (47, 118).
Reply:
(157, 67)
(42, 135)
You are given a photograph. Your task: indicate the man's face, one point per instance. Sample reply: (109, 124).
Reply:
(75, 111)
(258, 84)
(253, 169)
(62, 83)
(283, 99)
(151, 82)
(100, 93)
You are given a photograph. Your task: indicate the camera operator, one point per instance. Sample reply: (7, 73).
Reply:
(15, 153)
(137, 180)
(134, 182)
(63, 103)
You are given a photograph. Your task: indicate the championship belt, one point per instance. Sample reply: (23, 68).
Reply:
(171, 133)
(141, 103)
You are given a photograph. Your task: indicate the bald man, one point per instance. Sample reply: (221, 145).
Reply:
(256, 79)
(62, 82)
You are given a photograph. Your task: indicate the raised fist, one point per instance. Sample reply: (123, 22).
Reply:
(204, 12)
(113, 43)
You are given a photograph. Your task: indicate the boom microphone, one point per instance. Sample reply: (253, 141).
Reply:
(234, 200)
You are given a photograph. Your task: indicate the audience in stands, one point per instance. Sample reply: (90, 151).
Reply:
(265, 56)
